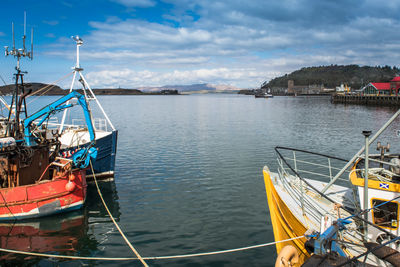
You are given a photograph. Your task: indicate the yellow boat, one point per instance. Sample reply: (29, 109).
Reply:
(311, 192)
(284, 222)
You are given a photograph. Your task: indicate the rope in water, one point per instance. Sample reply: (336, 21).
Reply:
(113, 220)
(147, 258)
(138, 257)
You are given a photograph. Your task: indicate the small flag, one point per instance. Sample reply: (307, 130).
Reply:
(384, 185)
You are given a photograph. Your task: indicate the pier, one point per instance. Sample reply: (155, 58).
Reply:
(373, 100)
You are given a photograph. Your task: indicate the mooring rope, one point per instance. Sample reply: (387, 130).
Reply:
(50, 86)
(146, 258)
(138, 257)
(113, 220)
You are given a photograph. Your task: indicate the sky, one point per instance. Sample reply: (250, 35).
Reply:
(137, 43)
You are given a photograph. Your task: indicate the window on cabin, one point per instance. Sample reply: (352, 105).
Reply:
(385, 215)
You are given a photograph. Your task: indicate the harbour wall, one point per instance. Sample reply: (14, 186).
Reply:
(373, 100)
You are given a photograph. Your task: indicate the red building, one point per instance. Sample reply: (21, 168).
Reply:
(390, 88)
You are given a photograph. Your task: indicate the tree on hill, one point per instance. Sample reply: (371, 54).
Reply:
(333, 75)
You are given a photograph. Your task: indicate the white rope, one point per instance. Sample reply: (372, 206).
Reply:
(113, 220)
(222, 251)
(133, 249)
(146, 258)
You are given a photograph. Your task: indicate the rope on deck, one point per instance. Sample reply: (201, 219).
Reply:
(147, 258)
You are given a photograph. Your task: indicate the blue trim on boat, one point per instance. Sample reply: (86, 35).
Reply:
(106, 154)
(107, 150)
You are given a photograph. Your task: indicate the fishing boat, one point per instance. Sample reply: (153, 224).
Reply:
(333, 211)
(264, 94)
(75, 135)
(34, 180)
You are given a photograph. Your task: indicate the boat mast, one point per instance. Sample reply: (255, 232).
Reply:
(18, 99)
(358, 154)
(85, 86)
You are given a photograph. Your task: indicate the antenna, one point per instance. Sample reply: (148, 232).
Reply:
(24, 36)
(12, 26)
(19, 53)
(24, 23)
(31, 56)
(79, 42)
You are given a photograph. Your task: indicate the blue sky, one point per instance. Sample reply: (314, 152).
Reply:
(138, 43)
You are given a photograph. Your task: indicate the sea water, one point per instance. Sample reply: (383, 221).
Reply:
(188, 178)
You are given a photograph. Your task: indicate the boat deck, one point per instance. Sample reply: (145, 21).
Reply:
(317, 213)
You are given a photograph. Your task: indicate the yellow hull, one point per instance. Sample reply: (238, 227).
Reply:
(284, 222)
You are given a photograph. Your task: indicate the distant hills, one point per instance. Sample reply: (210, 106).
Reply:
(333, 75)
(41, 87)
(47, 89)
(194, 88)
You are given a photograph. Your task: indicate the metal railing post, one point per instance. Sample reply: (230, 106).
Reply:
(366, 134)
(330, 169)
(301, 185)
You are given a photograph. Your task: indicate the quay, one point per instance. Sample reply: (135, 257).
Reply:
(373, 100)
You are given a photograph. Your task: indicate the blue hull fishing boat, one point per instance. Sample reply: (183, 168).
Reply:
(106, 143)
(74, 135)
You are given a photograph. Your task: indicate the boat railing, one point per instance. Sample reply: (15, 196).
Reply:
(292, 188)
(316, 166)
(297, 169)
(99, 124)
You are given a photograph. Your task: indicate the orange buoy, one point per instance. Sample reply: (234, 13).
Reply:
(70, 186)
(71, 177)
(288, 256)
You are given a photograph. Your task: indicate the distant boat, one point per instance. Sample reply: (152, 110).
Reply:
(263, 95)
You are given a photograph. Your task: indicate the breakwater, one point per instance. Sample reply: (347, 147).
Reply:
(373, 100)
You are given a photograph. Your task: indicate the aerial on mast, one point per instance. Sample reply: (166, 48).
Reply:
(18, 103)
(21, 52)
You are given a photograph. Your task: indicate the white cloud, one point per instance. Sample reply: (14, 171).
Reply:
(50, 35)
(51, 22)
(242, 44)
(136, 3)
(135, 79)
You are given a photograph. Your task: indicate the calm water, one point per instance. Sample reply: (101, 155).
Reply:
(189, 177)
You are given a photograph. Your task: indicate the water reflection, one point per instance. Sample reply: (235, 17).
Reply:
(65, 234)
(94, 204)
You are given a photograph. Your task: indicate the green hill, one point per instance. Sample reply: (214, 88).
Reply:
(333, 75)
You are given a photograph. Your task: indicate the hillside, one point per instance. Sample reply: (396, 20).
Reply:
(194, 88)
(53, 90)
(333, 75)
(46, 89)
(163, 90)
